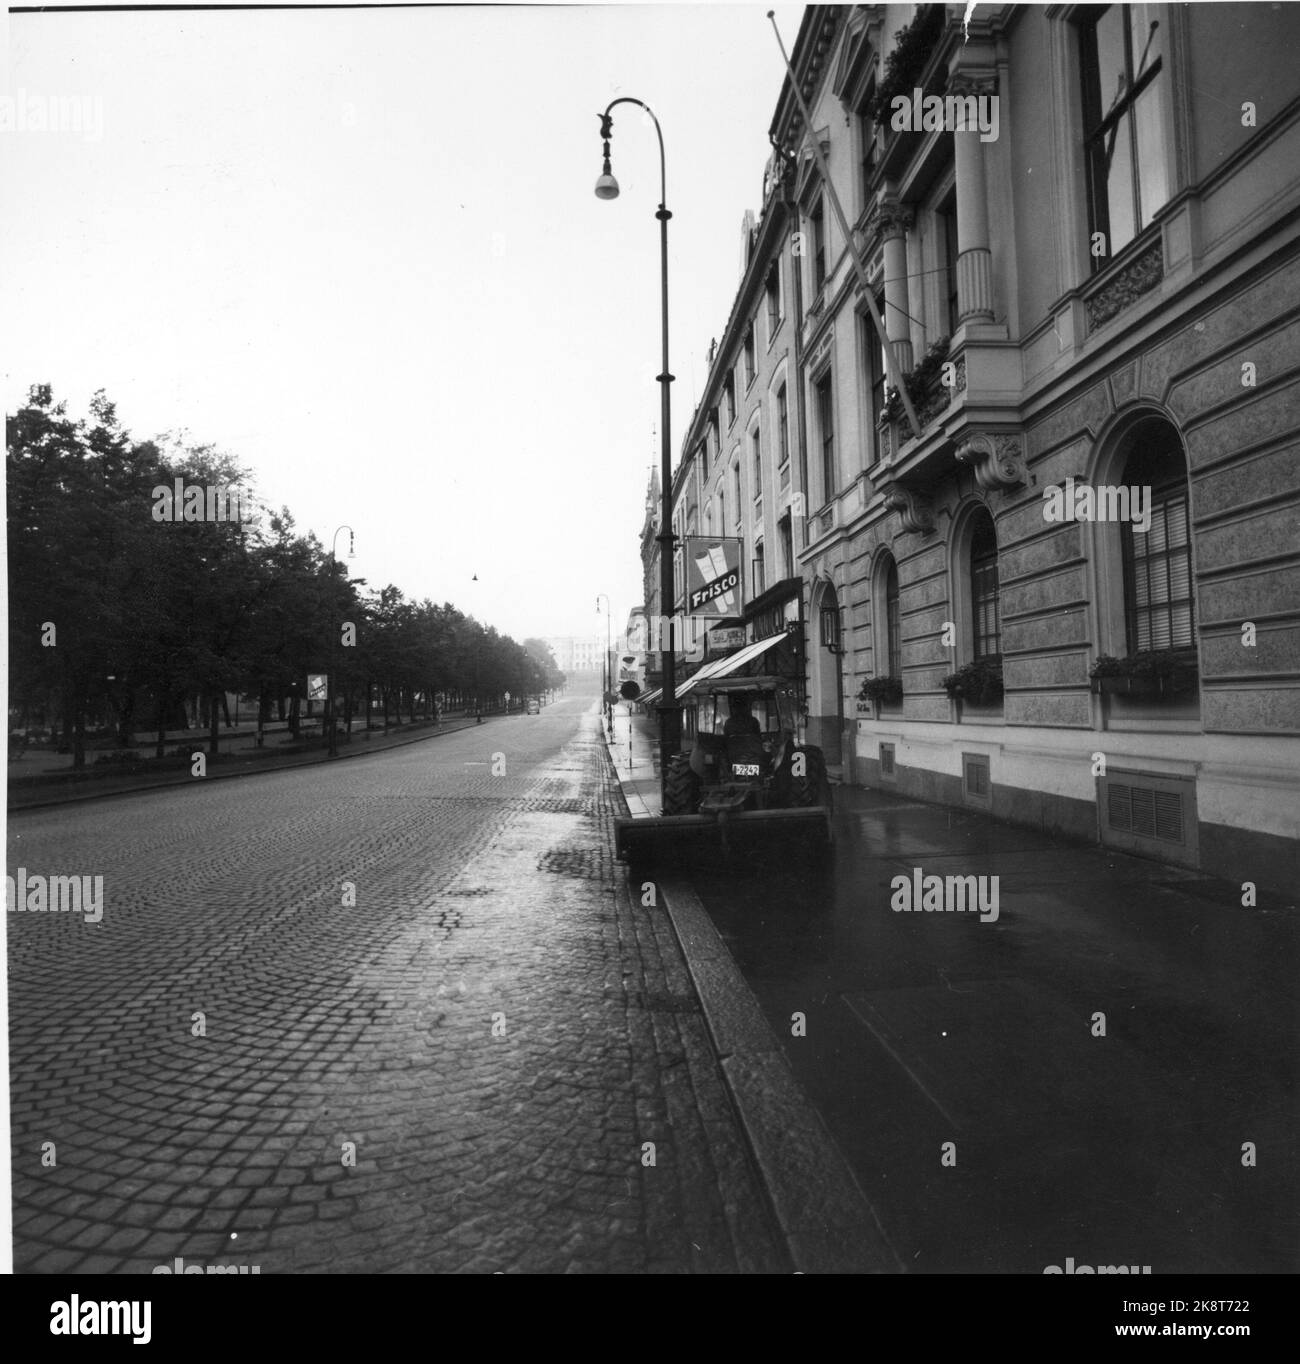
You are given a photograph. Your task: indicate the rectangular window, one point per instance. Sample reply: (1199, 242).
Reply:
(729, 395)
(875, 355)
(826, 429)
(782, 427)
(984, 592)
(867, 130)
(1158, 576)
(756, 447)
(760, 583)
(735, 475)
(787, 546)
(773, 303)
(817, 221)
(948, 223)
(749, 355)
(1122, 51)
(893, 625)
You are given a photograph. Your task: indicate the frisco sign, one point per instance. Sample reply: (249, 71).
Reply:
(713, 575)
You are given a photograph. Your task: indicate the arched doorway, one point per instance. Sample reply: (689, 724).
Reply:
(826, 685)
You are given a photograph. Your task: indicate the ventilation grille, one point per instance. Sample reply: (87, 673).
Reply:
(887, 760)
(1145, 812)
(1149, 814)
(977, 785)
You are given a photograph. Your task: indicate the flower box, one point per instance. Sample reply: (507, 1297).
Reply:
(1147, 673)
(976, 684)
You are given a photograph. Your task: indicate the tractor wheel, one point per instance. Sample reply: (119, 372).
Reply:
(682, 789)
(808, 789)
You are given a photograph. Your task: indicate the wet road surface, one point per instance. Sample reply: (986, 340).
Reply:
(927, 1028)
(395, 1013)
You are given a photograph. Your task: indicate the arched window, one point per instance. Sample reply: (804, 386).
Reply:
(985, 619)
(1159, 608)
(893, 622)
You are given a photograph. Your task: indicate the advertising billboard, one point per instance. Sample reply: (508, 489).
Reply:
(713, 586)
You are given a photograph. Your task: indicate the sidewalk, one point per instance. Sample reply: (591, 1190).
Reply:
(64, 785)
(634, 749)
(827, 1223)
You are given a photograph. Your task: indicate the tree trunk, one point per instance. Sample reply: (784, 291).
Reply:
(78, 729)
(214, 722)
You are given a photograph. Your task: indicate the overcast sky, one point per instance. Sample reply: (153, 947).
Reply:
(360, 251)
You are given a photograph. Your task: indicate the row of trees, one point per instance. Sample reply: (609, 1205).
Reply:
(114, 609)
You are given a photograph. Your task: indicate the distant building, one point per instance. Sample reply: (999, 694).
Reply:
(577, 653)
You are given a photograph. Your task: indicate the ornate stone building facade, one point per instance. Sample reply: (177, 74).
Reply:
(1102, 294)
(1072, 598)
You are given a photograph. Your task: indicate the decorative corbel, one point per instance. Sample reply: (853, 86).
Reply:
(997, 459)
(913, 507)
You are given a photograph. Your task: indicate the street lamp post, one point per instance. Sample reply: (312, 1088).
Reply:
(608, 671)
(333, 649)
(607, 188)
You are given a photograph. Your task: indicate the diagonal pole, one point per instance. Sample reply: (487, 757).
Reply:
(891, 365)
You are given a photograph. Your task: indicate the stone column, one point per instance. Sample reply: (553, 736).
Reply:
(895, 222)
(974, 260)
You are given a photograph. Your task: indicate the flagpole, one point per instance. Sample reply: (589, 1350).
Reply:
(891, 365)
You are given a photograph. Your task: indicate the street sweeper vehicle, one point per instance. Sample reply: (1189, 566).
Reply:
(741, 782)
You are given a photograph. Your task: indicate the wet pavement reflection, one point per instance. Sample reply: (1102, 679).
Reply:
(1099, 1053)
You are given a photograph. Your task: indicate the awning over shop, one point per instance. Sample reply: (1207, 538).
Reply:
(731, 665)
(727, 666)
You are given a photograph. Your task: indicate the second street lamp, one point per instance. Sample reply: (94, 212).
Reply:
(608, 671)
(607, 188)
(333, 649)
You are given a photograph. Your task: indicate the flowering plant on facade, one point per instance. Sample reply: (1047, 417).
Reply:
(1173, 669)
(911, 52)
(919, 381)
(979, 682)
(882, 689)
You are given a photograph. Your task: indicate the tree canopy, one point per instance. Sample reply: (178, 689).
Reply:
(120, 595)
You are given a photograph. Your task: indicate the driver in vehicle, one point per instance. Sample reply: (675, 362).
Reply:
(742, 721)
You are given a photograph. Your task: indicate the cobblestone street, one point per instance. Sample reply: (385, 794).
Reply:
(458, 1072)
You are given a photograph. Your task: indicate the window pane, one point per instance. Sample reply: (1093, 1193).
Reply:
(893, 618)
(1146, 38)
(1117, 169)
(1153, 177)
(1110, 59)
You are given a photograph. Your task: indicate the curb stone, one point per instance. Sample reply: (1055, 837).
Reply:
(828, 1224)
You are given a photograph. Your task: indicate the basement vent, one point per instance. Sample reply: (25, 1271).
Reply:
(977, 785)
(1144, 813)
(887, 760)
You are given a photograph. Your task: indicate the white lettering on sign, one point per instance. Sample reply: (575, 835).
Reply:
(714, 589)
